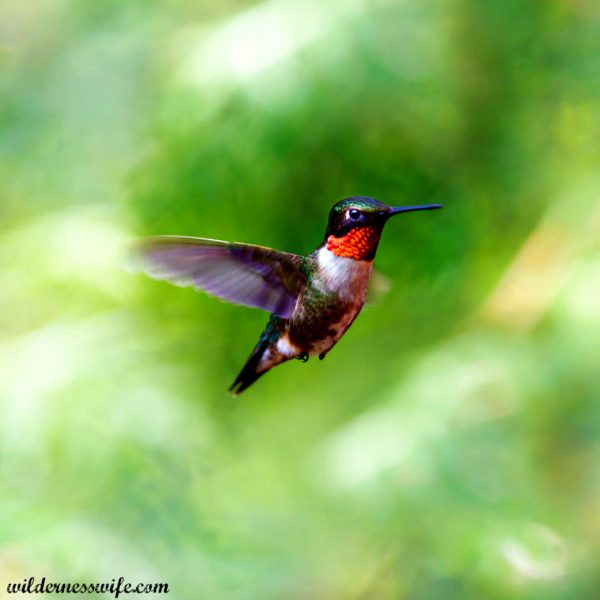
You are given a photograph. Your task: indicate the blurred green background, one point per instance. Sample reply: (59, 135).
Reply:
(449, 446)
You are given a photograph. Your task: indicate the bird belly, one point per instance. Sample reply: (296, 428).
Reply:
(331, 332)
(329, 303)
(316, 331)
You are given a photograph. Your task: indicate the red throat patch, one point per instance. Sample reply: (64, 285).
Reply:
(359, 243)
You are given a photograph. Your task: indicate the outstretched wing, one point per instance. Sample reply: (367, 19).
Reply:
(241, 273)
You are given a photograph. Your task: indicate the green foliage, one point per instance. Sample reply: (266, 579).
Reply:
(448, 447)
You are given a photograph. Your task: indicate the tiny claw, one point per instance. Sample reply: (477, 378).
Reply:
(322, 355)
(303, 357)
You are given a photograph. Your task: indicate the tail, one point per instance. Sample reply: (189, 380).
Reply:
(266, 355)
(249, 374)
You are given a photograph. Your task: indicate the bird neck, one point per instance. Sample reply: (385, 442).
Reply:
(359, 243)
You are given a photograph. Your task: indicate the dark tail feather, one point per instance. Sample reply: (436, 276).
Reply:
(248, 375)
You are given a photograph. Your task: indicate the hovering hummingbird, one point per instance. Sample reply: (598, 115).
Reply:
(312, 299)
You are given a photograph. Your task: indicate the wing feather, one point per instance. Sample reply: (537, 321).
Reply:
(241, 273)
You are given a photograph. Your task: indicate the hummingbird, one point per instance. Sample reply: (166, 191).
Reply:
(312, 299)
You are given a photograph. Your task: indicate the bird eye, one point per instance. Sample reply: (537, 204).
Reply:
(354, 214)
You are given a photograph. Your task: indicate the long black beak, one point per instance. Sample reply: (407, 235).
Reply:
(395, 210)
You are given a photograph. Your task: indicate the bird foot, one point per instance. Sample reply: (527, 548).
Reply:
(322, 355)
(303, 357)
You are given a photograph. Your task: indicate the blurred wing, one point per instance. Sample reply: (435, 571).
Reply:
(241, 273)
(379, 285)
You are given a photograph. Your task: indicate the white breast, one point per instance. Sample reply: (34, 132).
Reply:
(345, 276)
